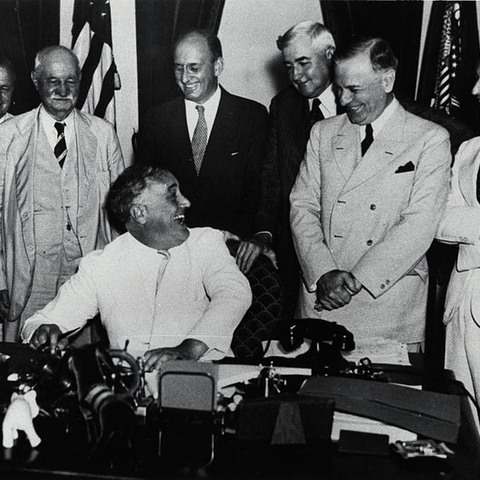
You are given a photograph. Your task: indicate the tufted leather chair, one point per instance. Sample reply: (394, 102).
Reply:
(266, 311)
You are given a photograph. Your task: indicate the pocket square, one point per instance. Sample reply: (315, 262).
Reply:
(408, 167)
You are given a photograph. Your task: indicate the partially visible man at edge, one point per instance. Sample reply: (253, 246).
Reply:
(172, 292)
(307, 49)
(56, 165)
(7, 86)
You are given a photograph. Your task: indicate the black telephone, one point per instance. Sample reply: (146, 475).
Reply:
(328, 339)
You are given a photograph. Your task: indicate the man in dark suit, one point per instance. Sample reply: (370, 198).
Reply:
(307, 49)
(213, 142)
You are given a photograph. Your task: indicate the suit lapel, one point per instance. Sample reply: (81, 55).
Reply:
(346, 148)
(299, 122)
(143, 296)
(86, 143)
(178, 132)
(385, 148)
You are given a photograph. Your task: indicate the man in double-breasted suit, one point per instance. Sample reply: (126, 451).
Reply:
(307, 49)
(366, 205)
(213, 142)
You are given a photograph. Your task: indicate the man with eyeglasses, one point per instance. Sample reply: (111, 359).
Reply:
(213, 142)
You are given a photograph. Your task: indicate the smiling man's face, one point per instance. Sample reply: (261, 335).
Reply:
(307, 67)
(196, 71)
(362, 91)
(165, 206)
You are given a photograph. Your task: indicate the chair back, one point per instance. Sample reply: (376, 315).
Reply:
(265, 313)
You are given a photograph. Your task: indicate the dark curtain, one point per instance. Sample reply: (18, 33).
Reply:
(158, 24)
(27, 26)
(399, 23)
(468, 112)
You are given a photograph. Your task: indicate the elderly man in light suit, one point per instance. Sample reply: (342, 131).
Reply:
(56, 166)
(365, 207)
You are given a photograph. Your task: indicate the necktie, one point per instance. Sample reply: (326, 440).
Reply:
(60, 149)
(367, 141)
(199, 139)
(315, 113)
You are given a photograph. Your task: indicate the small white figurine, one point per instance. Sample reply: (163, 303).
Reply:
(22, 410)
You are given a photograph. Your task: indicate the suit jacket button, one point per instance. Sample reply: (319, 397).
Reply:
(370, 243)
(373, 206)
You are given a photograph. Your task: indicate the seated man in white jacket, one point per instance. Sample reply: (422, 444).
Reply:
(172, 292)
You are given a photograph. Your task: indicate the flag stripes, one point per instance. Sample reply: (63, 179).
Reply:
(445, 97)
(92, 43)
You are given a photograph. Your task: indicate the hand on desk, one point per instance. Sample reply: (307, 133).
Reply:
(189, 349)
(49, 336)
(335, 289)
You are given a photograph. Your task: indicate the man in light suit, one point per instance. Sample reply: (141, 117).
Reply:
(213, 142)
(365, 206)
(307, 50)
(172, 292)
(56, 165)
(7, 85)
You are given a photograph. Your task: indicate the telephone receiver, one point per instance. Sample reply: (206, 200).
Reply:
(328, 339)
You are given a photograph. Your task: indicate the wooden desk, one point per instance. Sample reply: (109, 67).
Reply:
(64, 455)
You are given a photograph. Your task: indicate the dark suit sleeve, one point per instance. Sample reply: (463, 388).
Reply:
(144, 142)
(256, 161)
(269, 200)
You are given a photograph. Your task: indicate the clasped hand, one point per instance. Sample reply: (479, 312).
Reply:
(335, 289)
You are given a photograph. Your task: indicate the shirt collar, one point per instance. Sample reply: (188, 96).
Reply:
(327, 101)
(382, 120)
(49, 122)
(211, 104)
(5, 117)
(148, 252)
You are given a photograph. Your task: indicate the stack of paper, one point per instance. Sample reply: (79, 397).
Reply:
(346, 421)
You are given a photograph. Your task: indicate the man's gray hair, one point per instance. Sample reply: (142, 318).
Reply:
(320, 35)
(42, 54)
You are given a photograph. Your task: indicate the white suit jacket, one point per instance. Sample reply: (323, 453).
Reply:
(374, 216)
(461, 222)
(100, 161)
(202, 295)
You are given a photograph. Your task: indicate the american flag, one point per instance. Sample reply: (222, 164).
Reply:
(447, 94)
(92, 43)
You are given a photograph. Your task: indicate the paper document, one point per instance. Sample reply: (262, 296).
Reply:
(379, 350)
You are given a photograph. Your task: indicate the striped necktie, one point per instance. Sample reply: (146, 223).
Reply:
(60, 149)
(199, 139)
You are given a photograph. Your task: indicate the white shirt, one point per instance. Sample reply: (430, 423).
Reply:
(48, 124)
(381, 121)
(211, 108)
(328, 104)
